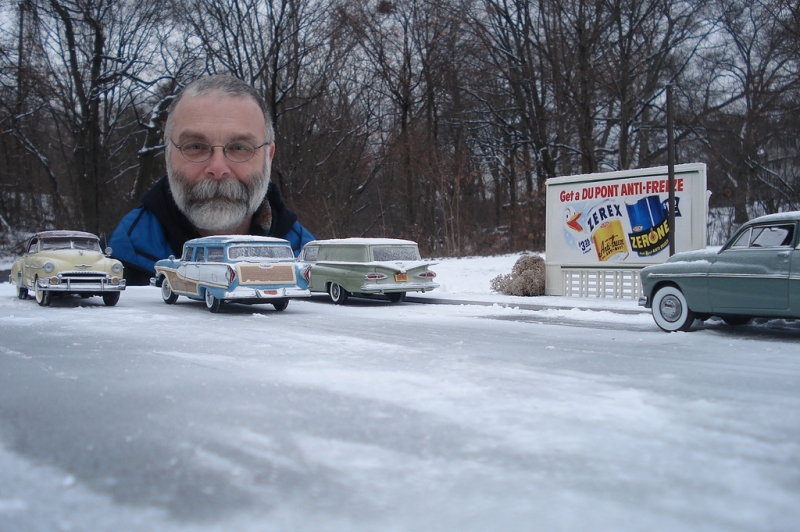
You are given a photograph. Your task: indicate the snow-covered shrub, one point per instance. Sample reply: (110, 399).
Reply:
(526, 278)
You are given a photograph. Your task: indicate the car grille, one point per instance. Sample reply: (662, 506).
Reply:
(82, 277)
(278, 274)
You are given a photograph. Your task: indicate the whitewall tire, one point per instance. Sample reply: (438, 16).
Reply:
(212, 303)
(670, 310)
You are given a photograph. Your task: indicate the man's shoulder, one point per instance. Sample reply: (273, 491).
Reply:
(138, 230)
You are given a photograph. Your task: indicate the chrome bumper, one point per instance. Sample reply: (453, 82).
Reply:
(78, 285)
(375, 288)
(252, 293)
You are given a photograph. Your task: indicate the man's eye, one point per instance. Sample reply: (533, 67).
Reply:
(239, 147)
(195, 146)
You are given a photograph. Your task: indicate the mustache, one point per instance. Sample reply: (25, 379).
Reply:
(218, 204)
(229, 189)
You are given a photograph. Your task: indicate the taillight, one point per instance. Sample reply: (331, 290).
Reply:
(230, 275)
(306, 273)
(427, 274)
(374, 276)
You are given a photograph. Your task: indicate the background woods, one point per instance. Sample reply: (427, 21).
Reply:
(433, 120)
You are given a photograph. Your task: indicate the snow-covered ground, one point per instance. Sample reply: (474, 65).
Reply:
(469, 279)
(380, 417)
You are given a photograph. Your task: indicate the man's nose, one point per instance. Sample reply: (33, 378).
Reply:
(217, 166)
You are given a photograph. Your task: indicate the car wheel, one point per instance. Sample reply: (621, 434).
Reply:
(212, 302)
(22, 292)
(167, 294)
(670, 310)
(111, 298)
(734, 321)
(43, 297)
(396, 297)
(280, 304)
(338, 294)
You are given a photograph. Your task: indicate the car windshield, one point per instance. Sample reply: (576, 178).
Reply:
(381, 253)
(87, 244)
(256, 252)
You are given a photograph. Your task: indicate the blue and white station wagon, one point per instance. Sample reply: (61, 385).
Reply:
(242, 269)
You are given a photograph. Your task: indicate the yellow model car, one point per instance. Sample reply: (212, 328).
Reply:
(58, 263)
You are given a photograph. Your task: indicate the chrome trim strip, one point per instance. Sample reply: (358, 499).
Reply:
(718, 275)
(398, 287)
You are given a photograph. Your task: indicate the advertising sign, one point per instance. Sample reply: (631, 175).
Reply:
(621, 218)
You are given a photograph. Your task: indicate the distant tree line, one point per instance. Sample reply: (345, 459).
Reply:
(438, 121)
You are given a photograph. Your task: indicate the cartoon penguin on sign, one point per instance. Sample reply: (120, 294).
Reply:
(574, 235)
(571, 218)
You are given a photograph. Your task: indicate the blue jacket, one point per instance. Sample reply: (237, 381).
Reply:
(157, 229)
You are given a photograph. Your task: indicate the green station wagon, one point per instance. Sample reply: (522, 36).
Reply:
(755, 274)
(367, 266)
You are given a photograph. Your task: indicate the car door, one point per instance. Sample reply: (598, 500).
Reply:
(794, 283)
(192, 267)
(28, 265)
(752, 274)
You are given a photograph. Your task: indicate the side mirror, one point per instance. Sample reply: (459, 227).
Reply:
(171, 257)
(107, 251)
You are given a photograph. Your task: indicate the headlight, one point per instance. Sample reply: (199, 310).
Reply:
(48, 267)
(116, 268)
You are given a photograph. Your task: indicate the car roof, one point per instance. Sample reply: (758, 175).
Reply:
(777, 217)
(65, 234)
(363, 242)
(235, 239)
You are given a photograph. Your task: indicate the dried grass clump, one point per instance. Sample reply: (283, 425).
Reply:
(526, 278)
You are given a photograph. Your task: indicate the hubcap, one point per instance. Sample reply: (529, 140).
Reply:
(670, 308)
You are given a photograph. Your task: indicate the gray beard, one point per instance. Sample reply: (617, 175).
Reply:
(218, 204)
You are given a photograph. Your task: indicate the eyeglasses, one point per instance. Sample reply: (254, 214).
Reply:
(237, 151)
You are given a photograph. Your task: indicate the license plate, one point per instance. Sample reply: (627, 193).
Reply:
(270, 292)
(401, 277)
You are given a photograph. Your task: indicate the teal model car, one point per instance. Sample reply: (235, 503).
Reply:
(366, 267)
(755, 274)
(242, 269)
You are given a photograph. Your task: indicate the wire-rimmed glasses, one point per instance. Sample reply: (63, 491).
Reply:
(237, 151)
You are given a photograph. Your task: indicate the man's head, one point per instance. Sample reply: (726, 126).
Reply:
(227, 116)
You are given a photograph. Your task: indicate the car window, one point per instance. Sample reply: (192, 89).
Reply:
(354, 253)
(200, 255)
(381, 253)
(89, 244)
(55, 243)
(256, 252)
(215, 255)
(743, 241)
(32, 246)
(187, 253)
(772, 236)
(310, 253)
(86, 244)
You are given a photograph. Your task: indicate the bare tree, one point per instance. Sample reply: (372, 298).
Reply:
(753, 91)
(650, 44)
(94, 57)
